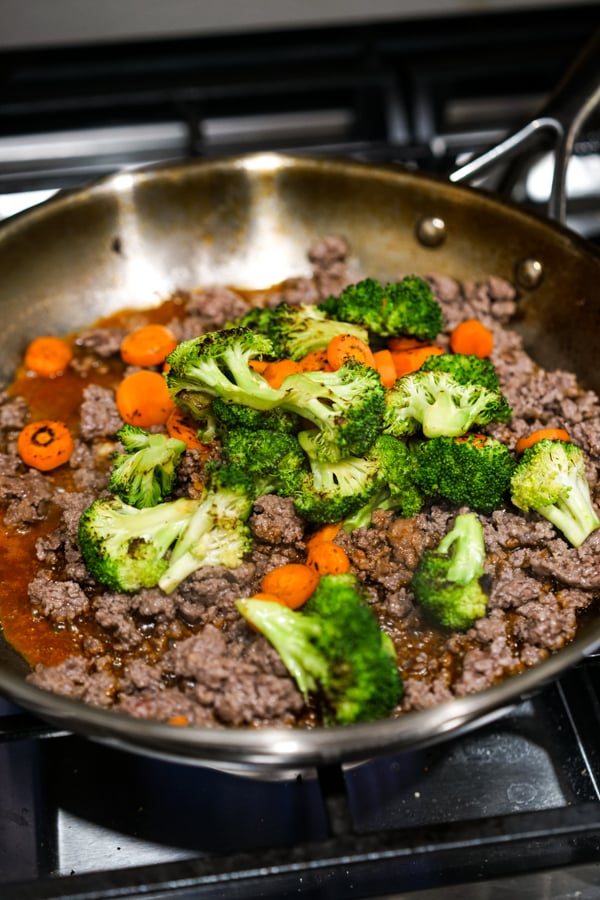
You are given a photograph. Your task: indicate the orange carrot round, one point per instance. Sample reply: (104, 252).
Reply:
(549, 434)
(315, 361)
(182, 721)
(181, 426)
(259, 365)
(472, 337)
(403, 342)
(328, 558)
(325, 533)
(143, 399)
(278, 370)
(293, 583)
(344, 347)
(385, 366)
(147, 346)
(406, 361)
(48, 356)
(45, 445)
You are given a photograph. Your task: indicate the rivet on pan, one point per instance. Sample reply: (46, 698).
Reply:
(431, 231)
(529, 273)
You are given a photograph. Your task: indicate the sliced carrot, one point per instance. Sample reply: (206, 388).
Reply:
(407, 361)
(293, 583)
(45, 445)
(472, 337)
(278, 370)
(48, 356)
(344, 347)
(405, 343)
(385, 365)
(316, 361)
(181, 426)
(148, 346)
(328, 558)
(325, 533)
(549, 434)
(178, 720)
(143, 399)
(259, 365)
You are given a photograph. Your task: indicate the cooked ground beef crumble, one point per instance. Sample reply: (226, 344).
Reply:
(190, 654)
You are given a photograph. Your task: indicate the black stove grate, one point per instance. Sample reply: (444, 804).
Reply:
(514, 799)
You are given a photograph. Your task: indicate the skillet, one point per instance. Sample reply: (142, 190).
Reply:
(134, 238)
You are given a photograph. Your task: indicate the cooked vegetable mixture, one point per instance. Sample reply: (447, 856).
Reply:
(330, 502)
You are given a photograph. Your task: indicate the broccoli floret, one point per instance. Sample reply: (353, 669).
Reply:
(145, 473)
(346, 406)
(397, 489)
(125, 547)
(334, 649)
(217, 365)
(273, 459)
(407, 307)
(446, 582)
(331, 491)
(216, 533)
(438, 404)
(550, 478)
(235, 415)
(466, 368)
(295, 331)
(474, 470)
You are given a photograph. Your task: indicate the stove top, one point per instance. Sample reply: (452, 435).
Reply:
(512, 805)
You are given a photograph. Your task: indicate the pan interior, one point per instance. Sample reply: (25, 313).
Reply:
(135, 238)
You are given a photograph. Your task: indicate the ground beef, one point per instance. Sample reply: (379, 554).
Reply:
(189, 656)
(99, 415)
(60, 601)
(274, 521)
(26, 497)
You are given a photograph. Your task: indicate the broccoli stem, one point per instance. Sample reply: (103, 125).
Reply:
(468, 556)
(574, 514)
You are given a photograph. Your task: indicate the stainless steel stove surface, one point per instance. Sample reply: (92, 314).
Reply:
(510, 809)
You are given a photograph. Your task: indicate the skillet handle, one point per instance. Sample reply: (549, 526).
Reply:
(556, 125)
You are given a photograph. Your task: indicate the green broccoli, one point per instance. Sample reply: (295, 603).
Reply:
(273, 459)
(332, 490)
(145, 473)
(447, 580)
(346, 406)
(199, 406)
(334, 649)
(397, 488)
(474, 470)
(217, 365)
(127, 548)
(295, 331)
(438, 404)
(216, 533)
(405, 308)
(235, 415)
(465, 368)
(550, 478)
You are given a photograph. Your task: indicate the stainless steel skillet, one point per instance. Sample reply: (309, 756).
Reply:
(134, 238)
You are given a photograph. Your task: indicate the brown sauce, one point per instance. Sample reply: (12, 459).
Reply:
(33, 636)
